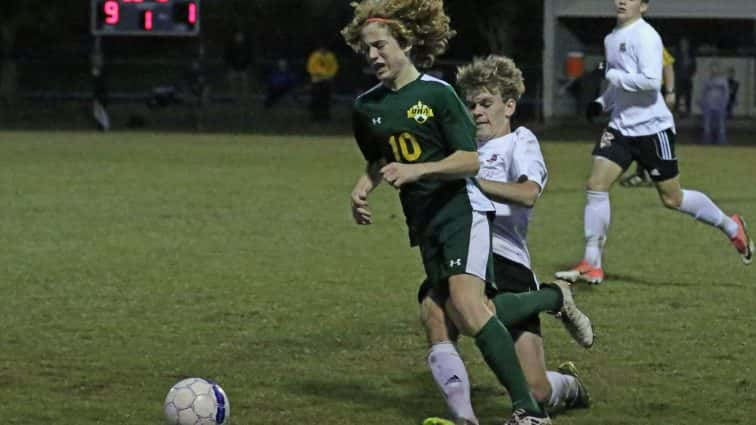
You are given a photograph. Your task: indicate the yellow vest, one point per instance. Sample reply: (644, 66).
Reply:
(322, 65)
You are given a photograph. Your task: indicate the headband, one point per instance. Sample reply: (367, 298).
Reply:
(382, 20)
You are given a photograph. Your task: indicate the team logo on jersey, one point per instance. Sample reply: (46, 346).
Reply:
(420, 112)
(606, 140)
(623, 47)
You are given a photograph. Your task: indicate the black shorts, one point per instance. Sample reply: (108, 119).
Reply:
(655, 152)
(510, 277)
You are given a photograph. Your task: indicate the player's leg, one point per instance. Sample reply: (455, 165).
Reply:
(612, 155)
(557, 390)
(521, 299)
(529, 348)
(445, 363)
(554, 389)
(468, 262)
(466, 306)
(659, 156)
(702, 208)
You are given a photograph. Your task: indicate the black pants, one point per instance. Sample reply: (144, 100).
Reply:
(320, 102)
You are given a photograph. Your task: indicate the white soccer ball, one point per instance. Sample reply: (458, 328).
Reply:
(196, 401)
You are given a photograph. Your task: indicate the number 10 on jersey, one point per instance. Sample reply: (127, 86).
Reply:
(405, 147)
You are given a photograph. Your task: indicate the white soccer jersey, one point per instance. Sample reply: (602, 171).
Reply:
(512, 158)
(634, 71)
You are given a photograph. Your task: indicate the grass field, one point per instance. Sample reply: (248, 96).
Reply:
(132, 260)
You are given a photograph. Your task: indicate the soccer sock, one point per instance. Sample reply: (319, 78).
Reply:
(596, 222)
(450, 375)
(495, 343)
(703, 209)
(513, 308)
(563, 388)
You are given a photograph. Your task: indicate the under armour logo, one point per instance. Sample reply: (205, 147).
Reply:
(377, 120)
(457, 262)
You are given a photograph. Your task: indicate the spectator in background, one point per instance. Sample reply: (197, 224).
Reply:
(685, 69)
(99, 89)
(238, 57)
(733, 85)
(322, 66)
(281, 80)
(715, 98)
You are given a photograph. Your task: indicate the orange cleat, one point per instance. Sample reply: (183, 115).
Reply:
(742, 242)
(583, 271)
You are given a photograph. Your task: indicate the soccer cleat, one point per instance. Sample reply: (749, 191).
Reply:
(442, 421)
(583, 271)
(742, 241)
(575, 321)
(522, 417)
(583, 399)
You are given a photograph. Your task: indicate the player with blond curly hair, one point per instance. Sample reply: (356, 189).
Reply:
(415, 133)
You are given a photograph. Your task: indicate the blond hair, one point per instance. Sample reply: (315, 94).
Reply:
(422, 24)
(495, 74)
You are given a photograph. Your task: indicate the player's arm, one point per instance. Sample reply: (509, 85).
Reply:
(371, 178)
(649, 77)
(668, 78)
(365, 184)
(529, 167)
(524, 192)
(458, 165)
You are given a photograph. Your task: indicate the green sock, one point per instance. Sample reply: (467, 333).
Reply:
(513, 308)
(496, 345)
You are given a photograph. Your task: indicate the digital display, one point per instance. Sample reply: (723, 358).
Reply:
(146, 17)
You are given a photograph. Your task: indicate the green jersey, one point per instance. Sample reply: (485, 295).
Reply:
(424, 121)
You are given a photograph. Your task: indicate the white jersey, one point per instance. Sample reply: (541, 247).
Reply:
(634, 71)
(513, 158)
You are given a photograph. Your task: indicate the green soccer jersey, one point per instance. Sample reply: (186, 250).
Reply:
(424, 121)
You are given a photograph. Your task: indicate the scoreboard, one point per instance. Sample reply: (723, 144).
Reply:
(145, 17)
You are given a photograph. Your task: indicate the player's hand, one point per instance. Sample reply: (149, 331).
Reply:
(593, 110)
(360, 211)
(670, 99)
(397, 174)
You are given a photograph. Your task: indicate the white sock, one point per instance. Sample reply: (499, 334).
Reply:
(705, 210)
(451, 378)
(563, 388)
(596, 222)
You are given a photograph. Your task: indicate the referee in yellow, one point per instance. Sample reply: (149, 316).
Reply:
(322, 66)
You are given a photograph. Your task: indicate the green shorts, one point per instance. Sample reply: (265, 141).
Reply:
(457, 242)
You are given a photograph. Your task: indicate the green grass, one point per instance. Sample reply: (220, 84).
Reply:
(132, 260)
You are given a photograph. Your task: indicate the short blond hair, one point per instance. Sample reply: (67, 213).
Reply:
(422, 24)
(495, 74)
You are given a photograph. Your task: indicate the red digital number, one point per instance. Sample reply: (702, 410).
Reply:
(147, 23)
(112, 12)
(192, 13)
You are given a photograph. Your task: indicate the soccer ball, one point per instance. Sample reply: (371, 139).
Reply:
(196, 401)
